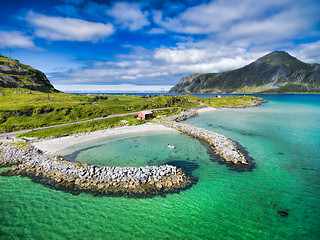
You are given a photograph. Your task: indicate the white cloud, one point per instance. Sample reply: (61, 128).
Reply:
(206, 18)
(68, 29)
(157, 31)
(136, 72)
(15, 39)
(181, 56)
(112, 88)
(248, 22)
(284, 26)
(307, 52)
(165, 66)
(233, 34)
(129, 15)
(205, 56)
(133, 72)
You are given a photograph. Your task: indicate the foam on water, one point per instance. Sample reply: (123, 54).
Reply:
(283, 136)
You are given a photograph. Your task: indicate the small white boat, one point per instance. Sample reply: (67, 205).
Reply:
(170, 146)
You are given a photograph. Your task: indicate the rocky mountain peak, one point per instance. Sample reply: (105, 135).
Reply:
(275, 72)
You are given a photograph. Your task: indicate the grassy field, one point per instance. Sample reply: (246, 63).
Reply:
(230, 102)
(24, 109)
(20, 111)
(84, 127)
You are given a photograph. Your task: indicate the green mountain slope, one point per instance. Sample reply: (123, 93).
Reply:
(277, 72)
(13, 74)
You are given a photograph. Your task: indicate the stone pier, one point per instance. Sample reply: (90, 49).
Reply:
(221, 145)
(62, 173)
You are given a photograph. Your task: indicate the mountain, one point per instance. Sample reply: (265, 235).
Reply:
(276, 72)
(13, 74)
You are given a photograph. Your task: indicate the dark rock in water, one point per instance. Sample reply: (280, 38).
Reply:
(283, 213)
(188, 167)
(73, 156)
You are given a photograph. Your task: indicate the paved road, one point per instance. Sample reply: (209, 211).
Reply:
(3, 137)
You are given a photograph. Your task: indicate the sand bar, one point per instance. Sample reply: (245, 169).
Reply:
(58, 144)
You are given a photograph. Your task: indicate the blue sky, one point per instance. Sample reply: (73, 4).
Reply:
(149, 45)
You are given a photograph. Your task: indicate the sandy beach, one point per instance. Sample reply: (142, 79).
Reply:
(58, 144)
(206, 109)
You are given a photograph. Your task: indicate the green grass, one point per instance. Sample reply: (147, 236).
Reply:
(19, 111)
(233, 101)
(83, 127)
(95, 125)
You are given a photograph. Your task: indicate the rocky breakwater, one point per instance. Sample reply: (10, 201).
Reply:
(10, 155)
(61, 173)
(221, 145)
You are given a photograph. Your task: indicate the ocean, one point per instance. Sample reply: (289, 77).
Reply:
(278, 198)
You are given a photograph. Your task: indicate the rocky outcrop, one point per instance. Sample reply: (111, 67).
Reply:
(221, 145)
(10, 155)
(182, 116)
(76, 177)
(13, 74)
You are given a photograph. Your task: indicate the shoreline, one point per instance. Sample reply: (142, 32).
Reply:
(40, 162)
(58, 144)
(221, 146)
(207, 109)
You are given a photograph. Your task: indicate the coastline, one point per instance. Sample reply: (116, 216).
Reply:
(40, 162)
(58, 144)
(206, 109)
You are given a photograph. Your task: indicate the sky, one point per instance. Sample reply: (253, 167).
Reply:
(150, 45)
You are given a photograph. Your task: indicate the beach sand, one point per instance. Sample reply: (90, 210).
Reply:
(58, 144)
(206, 109)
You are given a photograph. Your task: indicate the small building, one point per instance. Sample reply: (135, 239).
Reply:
(144, 115)
(125, 122)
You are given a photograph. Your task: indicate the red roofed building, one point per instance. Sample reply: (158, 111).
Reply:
(144, 115)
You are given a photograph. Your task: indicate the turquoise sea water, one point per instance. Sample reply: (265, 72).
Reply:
(283, 137)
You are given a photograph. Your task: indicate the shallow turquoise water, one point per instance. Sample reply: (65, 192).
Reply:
(283, 136)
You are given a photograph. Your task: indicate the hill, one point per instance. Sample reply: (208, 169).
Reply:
(276, 72)
(14, 74)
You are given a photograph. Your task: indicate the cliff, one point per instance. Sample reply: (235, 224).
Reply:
(14, 74)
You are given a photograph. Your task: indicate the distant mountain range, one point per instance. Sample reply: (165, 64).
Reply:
(14, 74)
(276, 72)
